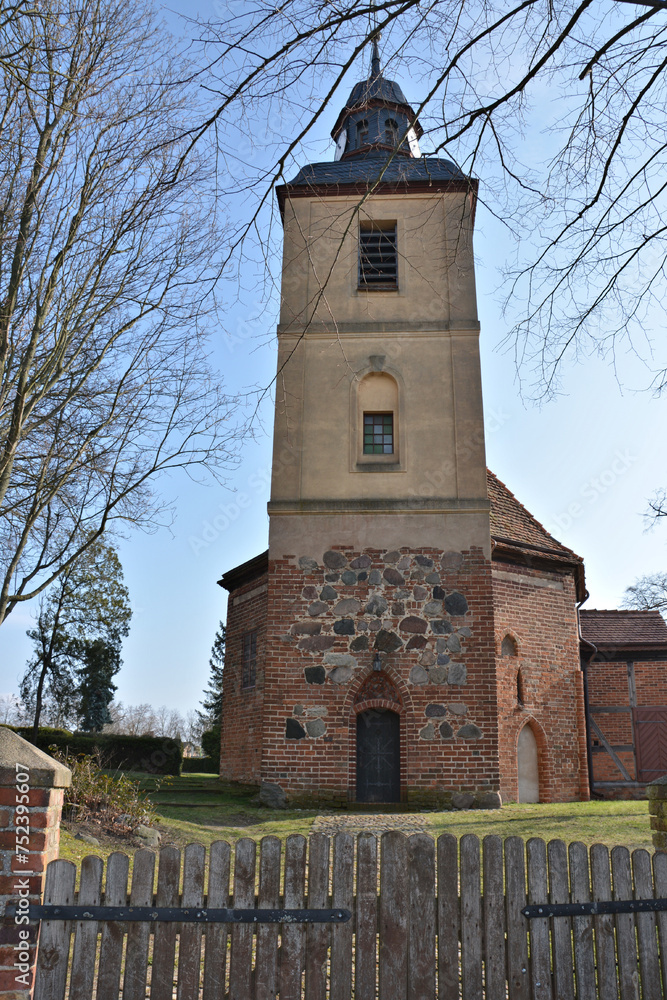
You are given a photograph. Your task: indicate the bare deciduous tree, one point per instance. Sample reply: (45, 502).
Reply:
(649, 593)
(109, 248)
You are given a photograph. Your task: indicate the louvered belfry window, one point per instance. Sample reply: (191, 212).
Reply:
(378, 255)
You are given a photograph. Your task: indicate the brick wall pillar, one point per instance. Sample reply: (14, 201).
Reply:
(32, 786)
(657, 807)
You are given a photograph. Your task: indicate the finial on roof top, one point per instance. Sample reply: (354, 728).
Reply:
(376, 72)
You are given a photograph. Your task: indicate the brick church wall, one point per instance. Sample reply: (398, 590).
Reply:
(537, 608)
(242, 709)
(430, 615)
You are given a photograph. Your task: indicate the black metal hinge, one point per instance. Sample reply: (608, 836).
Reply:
(183, 914)
(594, 909)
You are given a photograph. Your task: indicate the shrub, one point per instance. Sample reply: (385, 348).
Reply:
(155, 754)
(210, 744)
(104, 798)
(200, 765)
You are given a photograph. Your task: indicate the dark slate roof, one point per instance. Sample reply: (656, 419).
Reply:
(376, 90)
(623, 628)
(511, 522)
(367, 168)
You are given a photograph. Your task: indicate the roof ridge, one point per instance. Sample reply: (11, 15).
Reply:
(530, 516)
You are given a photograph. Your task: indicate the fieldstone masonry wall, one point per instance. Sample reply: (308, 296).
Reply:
(31, 797)
(429, 616)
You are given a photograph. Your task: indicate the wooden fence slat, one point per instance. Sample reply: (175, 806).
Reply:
(292, 935)
(626, 945)
(215, 945)
(660, 879)
(164, 939)
(84, 953)
(538, 928)
(582, 927)
(366, 918)
(111, 944)
(421, 902)
(317, 935)
(518, 976)
(139, 934)
(266, 962)
(448, 917)
(341, 934)
(605, 945)
(647, 941)
(493, 899)
(393, 968)
(240, 958)
(54, 935)
(190, 935)
(561, 927)
(471, 918)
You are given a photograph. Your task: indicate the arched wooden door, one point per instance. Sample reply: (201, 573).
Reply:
(378, 756)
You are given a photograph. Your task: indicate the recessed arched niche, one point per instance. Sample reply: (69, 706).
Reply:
(508, 646)
(528, 766)
(378, 432)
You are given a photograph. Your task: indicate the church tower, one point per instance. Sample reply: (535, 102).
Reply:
(372, 674)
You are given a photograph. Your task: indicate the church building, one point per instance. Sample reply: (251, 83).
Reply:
(412, 633)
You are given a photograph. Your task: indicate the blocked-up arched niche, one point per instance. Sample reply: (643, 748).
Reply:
(528, 768)
(508, 646)
(379, 434)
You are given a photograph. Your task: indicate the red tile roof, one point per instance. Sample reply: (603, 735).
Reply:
(623, 628)
(511, 522)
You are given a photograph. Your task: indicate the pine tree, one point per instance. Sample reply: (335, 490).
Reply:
(212, 701)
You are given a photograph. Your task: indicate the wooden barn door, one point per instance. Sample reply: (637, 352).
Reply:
(378, 756)
(651, 741)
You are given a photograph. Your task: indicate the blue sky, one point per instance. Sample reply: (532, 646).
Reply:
(584, 464)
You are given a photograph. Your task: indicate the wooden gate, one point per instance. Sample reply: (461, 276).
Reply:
(651, 742)
(430, 920)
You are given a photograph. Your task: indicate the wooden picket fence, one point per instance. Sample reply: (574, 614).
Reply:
(429, 920)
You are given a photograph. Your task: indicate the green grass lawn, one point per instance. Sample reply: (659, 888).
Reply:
(198, 807)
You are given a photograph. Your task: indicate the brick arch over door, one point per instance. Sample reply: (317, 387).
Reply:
(383, 690)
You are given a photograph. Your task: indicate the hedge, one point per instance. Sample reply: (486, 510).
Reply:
(156, 754)
(200, 765)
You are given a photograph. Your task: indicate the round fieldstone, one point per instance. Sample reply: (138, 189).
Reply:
(413, 624)
(456, 604)
(470, 732)
(362, 625)
(316, 728)
(427, 658)
(402, 595)
(331, 577)
(341, 675)
(438, 594)
(309, 593)
(308, 564)
(387, 642)
(344, 627)
(457, 673)
(348, 577)
(359, 644)
(317, 608)
(362, 576)
(375, 577)
(417, 574)
(452, 561)
(315, 643)
(376, 605)
(424, 561)
(454, 643)
(441, 644)
(432, 578)
(446, 731)
(416, 642)
(294, 730)
(465, 632)
(375, 625)
(317, 711)
(391, 557)
(442, 626)
(438, 675)
(361, 562)
(420, 593)
(463, 800)
(298, 710)
(403, 563)
(418, 675)
(488, 800)
(398, 608)
(435, 711)
(443, 660)
(348, 606)
(393, 577)
(328, 594)
(428, 732)
(458, 708)
(334, 560)
(315, 675)
(307, 627)
(432, 609)
(340, 660)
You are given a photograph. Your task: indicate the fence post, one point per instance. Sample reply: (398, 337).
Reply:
(657, 807)
(31, 797)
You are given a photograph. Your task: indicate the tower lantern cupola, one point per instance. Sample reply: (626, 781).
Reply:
(376, 116)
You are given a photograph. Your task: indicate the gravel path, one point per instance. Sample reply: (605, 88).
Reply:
(369, 823)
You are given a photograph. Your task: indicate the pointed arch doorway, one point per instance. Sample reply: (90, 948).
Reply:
(378, 740)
